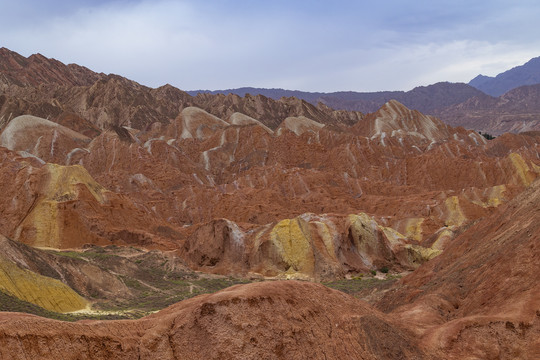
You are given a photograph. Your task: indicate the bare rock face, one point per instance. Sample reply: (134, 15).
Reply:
(117, 101)
(263, 320)
(46, 292)
(125, 184)
(41, 226)
(272, 112)
(64, 207)
(262, 188)
(393, 119)
(49, 89)
(479, 298)
(42, 138)
(198, 124)
(299, 125)
(516, 111)
(242, 119)
(309, 246)
(37, 70)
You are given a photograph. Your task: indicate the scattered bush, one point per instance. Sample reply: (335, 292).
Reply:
(487, 136)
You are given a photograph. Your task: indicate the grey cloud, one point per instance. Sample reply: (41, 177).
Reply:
(306, 45)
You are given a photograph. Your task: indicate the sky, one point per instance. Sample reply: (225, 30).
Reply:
(324, 46)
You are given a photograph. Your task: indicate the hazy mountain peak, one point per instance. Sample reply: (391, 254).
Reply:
(526, 74)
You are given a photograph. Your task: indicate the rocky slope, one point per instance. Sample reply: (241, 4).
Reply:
(90, 102)
(422, 98)
(477, 299)
(254, 191)
(48, 293)
(516, 111)
(456, 104)
(74, 95)
(246, 187)
(480, 297)
(272, 320)
(38, 70)
(270, 203)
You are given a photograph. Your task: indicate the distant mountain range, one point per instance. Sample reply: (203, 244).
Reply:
(422, 98)
(517, 110)
(445, 93)
(477, 105)
(527, 74)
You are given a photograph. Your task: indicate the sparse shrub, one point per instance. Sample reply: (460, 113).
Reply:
(487, 136)
(373, 272)
(384, 270)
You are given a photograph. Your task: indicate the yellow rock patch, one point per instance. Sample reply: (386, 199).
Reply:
(522, 169)
(417, 254)
(44, 220)
(394, 236)
(455, 216)
(495, 196)
(413, 228)
(442, 239)
(491, 197)
(326, 235)
(62, 181)
(536, 168)
(293, 242)
(43, 291)
(365, 234)
(364, 230)
(41, 227)
(420, 254)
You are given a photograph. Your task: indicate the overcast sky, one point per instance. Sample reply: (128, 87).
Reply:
(304, 45)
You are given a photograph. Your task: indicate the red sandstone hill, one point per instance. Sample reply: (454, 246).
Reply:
(294, 201)
(106, 100)
(254, 187)
(47, 88)
(480, 297)
(38, 70)
(121, 164)
(271, 320)
(454, 103)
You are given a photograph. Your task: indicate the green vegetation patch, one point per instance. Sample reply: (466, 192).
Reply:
(360, 284)
(166, 291)
(154, 281)
(88, 254)
(213, 285)
(14, 304)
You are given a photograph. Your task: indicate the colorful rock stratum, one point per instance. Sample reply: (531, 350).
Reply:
(102, 176)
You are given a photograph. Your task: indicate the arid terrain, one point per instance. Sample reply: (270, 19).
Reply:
(149, 223)
(507, 102)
